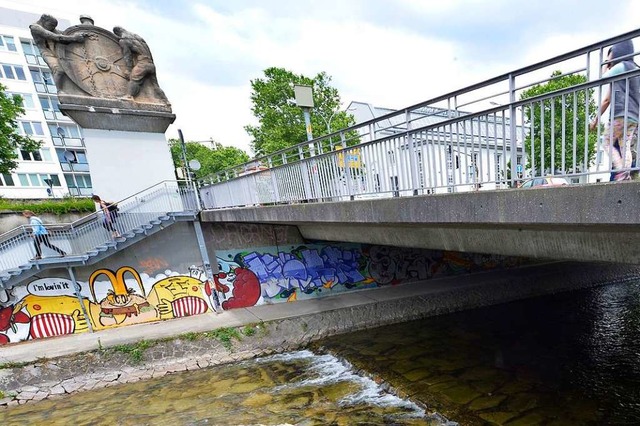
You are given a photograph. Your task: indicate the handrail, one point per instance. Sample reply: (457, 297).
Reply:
(495, 148)
(447, 97)
(89, 234)
(93, 215)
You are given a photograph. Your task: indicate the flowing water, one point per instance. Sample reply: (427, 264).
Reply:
(566, 359)
(294, 388)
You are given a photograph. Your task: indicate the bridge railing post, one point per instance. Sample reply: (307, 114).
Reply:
(513, 122)
(345, 166)
(411, 142)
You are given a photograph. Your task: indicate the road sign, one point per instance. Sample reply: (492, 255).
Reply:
(519, 168)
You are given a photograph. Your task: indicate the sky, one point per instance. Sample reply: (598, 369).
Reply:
(389, 53)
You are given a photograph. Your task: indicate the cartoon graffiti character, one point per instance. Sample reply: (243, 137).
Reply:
(122, 304)
(246, 290)
(181, 296)
(14, 325)
(243, 284)
(53, 315)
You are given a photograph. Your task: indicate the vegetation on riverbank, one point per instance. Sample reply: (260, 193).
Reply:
(58, 206)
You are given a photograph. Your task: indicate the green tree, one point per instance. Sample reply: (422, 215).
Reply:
(10, 140)
(281, 122)
(211, 160)
(574, 104)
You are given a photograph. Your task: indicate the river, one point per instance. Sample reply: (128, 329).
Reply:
(566, 359)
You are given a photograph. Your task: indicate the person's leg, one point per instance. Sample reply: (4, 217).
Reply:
(36, 245)
(45, 240)
(616, 132)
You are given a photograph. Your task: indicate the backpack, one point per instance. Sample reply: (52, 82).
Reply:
(113, 208)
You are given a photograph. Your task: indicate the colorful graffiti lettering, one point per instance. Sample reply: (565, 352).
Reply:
(48, 307)
(152, 264)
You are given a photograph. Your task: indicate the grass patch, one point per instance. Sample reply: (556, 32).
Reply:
(190, 336)
(249, 330)
(12, 364)
(58, 207)
(135, 350)
(225, 336)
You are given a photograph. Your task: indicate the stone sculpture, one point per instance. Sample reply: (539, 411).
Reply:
(47, 38)
(94, 67)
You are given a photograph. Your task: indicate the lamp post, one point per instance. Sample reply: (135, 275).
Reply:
(304, 99)
(328, 122)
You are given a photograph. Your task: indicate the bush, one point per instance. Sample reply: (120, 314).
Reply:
(58, 207)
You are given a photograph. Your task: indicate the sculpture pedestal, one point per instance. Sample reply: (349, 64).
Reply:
(123, 163)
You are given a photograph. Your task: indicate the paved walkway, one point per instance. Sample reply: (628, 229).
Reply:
(75, 343)
(455, 292)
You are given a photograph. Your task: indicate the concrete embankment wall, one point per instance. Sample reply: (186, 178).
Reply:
(11, 220)
(281, 330)
(163, 277)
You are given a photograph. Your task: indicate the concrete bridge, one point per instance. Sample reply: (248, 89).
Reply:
(599, 222)
(405, 198)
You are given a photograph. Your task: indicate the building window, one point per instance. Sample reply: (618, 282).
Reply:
(7, 43)
(71, 135)
(46, 155)
(12, 72)
(78, 181)
(26, 101)
(38, 179)
(55, 180)
(32, 53)
(30, 156)
(6, 180)
(31, 128)
(51, 108)
(43, 81)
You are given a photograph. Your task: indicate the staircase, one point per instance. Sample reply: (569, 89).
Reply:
(87, 241)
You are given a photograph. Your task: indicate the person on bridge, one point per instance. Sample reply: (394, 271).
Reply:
(109, 215)
(620, 134)
(40, 235)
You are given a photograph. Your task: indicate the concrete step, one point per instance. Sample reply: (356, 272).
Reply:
(164, 218)
(92, 252)
(139, 230)
(147, 226)
(155, 222)
(102, 248)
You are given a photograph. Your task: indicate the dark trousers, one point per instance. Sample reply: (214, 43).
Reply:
(44, 239)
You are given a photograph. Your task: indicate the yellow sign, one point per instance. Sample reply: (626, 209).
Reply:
(353, 158)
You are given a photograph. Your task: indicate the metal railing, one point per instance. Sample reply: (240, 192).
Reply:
(491, 135)
(86, 235)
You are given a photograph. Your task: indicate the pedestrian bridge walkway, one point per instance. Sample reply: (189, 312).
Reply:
(529, 123)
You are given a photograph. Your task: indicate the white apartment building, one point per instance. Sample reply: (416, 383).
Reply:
(60, 167)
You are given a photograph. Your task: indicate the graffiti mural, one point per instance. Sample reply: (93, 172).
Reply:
(49, 307)
(269, 274)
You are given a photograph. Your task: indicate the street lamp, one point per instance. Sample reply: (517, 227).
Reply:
(304, 99)
(328, 122)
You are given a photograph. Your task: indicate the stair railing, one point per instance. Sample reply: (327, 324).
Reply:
(135, 214)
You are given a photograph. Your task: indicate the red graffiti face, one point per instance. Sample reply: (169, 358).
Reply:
(246, 290)
(219, 285)
(7, 319)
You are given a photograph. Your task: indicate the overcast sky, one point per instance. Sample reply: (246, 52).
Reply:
(390, 53)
